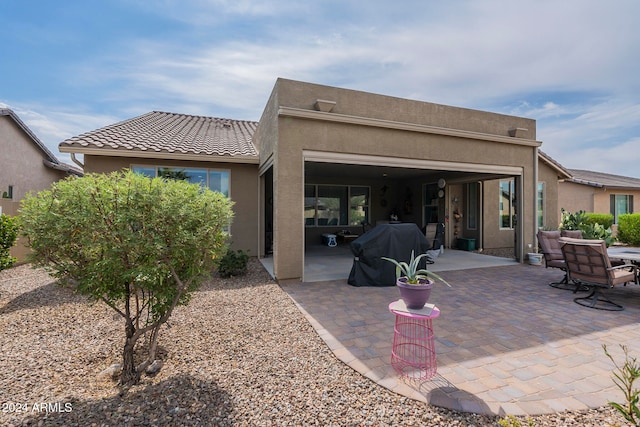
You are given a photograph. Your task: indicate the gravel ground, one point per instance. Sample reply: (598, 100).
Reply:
(240, 354)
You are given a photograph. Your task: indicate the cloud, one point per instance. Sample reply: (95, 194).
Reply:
(569, 65)
(58, 124)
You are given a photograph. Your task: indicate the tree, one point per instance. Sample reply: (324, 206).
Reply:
(138, 244)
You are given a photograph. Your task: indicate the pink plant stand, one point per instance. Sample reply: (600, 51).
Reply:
(413, 354)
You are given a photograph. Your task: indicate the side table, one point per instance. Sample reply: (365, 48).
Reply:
(413, 354)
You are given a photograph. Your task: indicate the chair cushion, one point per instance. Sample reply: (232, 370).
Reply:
(557, 263)
(550, 244)
(574, 234)
(622, 276)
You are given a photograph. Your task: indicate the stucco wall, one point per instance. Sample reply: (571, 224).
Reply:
(243, 189)
(576, 197)
(549, 176)
(21, 162)
(21, 166)
(296, 134)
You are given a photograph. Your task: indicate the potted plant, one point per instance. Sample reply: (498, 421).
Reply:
(414, 283)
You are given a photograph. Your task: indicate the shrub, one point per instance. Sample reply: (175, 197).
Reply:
(140, 245)
(629, 229)
(624, 377)
(234, 263)
(511, 421)
(605, 220)
(8, 235)
(572, 221)
(590, 229)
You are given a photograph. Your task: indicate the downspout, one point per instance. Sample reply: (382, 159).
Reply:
(76, 161)
(535, 197)
(481, 215)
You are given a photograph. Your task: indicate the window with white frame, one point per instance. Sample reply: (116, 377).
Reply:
(507, 199)
(540, 205)
(473, 188)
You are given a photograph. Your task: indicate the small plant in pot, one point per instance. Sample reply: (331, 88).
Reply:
(414, 283)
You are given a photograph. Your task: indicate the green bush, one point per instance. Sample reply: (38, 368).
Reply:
(572, 221)
(629, 229)
(590, 229)
(141, 245)
(605, 220)
(8, 235)
(234, 263)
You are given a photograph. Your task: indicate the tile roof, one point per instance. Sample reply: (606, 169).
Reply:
(50, 160)
(553, 163)
(600, 179)
(170, 133)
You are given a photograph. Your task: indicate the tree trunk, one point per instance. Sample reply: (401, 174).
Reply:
(129, 375)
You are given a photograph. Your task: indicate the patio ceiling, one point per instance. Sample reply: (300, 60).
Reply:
(313, 169)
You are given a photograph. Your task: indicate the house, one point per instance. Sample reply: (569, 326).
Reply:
(599, 192)
(26, 165)
(324, 160)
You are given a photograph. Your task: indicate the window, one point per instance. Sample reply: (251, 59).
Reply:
(506, 204)
(472, 205)
(215, 180)
(620, 204)
(431, 203)
(333, 205)
(359, 201)
(540, 204)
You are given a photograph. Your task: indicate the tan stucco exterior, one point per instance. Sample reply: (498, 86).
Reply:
(313, 135)
(576, 197)
(458, 144)
(548, 176)
(22, 167)
(243, 190)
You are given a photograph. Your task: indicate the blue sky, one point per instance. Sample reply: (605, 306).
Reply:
(573, 65)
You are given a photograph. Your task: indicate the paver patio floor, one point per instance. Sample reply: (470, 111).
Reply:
(506, 342)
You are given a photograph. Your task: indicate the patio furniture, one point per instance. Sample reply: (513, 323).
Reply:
(345, 236)
(413, 354)
(550, 244)
(434, 232)
(587, 262)
(329, 240)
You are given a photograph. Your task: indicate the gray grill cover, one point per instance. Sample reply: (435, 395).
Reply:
(389, 240)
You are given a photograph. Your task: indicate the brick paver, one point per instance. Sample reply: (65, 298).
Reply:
(506, 341)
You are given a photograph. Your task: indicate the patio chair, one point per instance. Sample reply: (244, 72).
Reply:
(434, 232)
(550, 244)
(587, 262)
(574, 234)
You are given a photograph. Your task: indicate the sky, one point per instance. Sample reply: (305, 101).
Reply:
(69, 67)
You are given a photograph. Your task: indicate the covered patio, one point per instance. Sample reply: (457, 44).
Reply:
(506, 342)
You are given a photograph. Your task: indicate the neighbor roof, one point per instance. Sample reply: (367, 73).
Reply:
(50, 160)
(562, 171)
(160, 134)
(602, 180)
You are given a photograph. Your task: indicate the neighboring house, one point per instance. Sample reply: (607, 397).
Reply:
(599, 192)
(324, 159)
(26, 165)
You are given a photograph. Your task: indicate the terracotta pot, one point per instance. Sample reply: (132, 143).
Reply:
(415, 296)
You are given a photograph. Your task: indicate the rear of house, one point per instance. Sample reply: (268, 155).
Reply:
(325, 160)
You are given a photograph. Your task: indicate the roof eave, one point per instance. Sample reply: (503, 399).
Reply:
(62, 167)
(160, 155)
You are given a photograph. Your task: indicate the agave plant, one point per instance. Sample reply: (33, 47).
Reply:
(411, 271)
